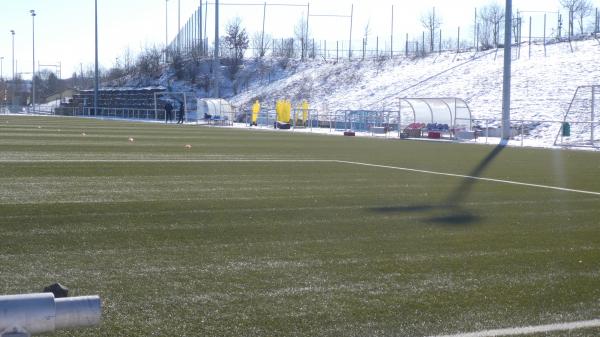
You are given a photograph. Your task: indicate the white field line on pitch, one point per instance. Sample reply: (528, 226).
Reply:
(562, 189)
(33, 161)
(530, 329)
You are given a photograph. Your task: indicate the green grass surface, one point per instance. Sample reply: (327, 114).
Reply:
(231, 248)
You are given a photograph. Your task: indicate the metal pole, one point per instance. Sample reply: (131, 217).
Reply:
(458, 41)
(440, 46)
(392, 36)
(1, 68)
(475, 31)
(33, 60)
(593, 113)
(13, 54)
(432, 37)
(200, 32)
(262, 37)
(178, 25)
(545, 17)
(529, 37)
(96, 57)
(350, 42)
(306, 33)
(166, 29)
(193, 30)
(507, 72)
(216, 58)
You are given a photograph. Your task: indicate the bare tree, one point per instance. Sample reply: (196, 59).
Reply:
(432, 24)
(570, 6)
(302, 34)
(127, 62)
(491, 17)
(261, 44)
(148, 62)
(235, 44)
(584, 9)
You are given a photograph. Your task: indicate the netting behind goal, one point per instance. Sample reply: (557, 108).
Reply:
(581, 123)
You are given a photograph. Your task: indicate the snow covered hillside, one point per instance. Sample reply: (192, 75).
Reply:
(542, 86)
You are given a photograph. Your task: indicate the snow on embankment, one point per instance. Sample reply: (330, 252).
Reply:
(542, 86)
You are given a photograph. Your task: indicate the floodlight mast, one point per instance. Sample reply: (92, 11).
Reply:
(96, 58)
(33, 60)
(216, 55)
(507, 72)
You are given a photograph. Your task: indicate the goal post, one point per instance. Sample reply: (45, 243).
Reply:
(580, 122)
(188, 99)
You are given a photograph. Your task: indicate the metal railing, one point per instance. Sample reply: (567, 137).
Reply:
(387, 124)
(114, 113)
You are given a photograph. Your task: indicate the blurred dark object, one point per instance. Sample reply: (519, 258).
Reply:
(58, 290)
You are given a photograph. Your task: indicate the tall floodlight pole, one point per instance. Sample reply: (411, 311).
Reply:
(13, 54)
(33, 61)
(1, 68)
(507, 72)
(178, 24)
(201, 33)
(96, 58)
(166, 28)
(306, 33)
(392, 36)
(350, 41)
(262, 36)
(216, 59)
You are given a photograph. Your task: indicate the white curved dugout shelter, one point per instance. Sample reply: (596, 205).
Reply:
(454, 112)
(212, 108)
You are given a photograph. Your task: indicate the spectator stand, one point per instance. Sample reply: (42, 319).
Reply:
(113, 102)
(436, 118)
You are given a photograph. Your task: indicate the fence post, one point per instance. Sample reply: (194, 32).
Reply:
(522, 132)
(475, 31)
(545, 35)
(350, 41)
(392, 36)
(458, 41)
(593, 113)
(440, 47)
(363, 49)
(530, 37)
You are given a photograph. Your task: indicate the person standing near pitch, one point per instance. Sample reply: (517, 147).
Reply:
(168, 112)
(181, 113)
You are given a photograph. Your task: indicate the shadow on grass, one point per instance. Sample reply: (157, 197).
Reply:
(451, 212)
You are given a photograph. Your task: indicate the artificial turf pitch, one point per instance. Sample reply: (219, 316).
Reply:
(247, 233)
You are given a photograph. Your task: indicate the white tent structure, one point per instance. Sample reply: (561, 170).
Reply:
(212, 109)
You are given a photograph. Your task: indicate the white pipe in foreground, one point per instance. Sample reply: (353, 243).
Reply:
(32, 314)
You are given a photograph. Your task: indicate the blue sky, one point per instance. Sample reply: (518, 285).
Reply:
(65, 28)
